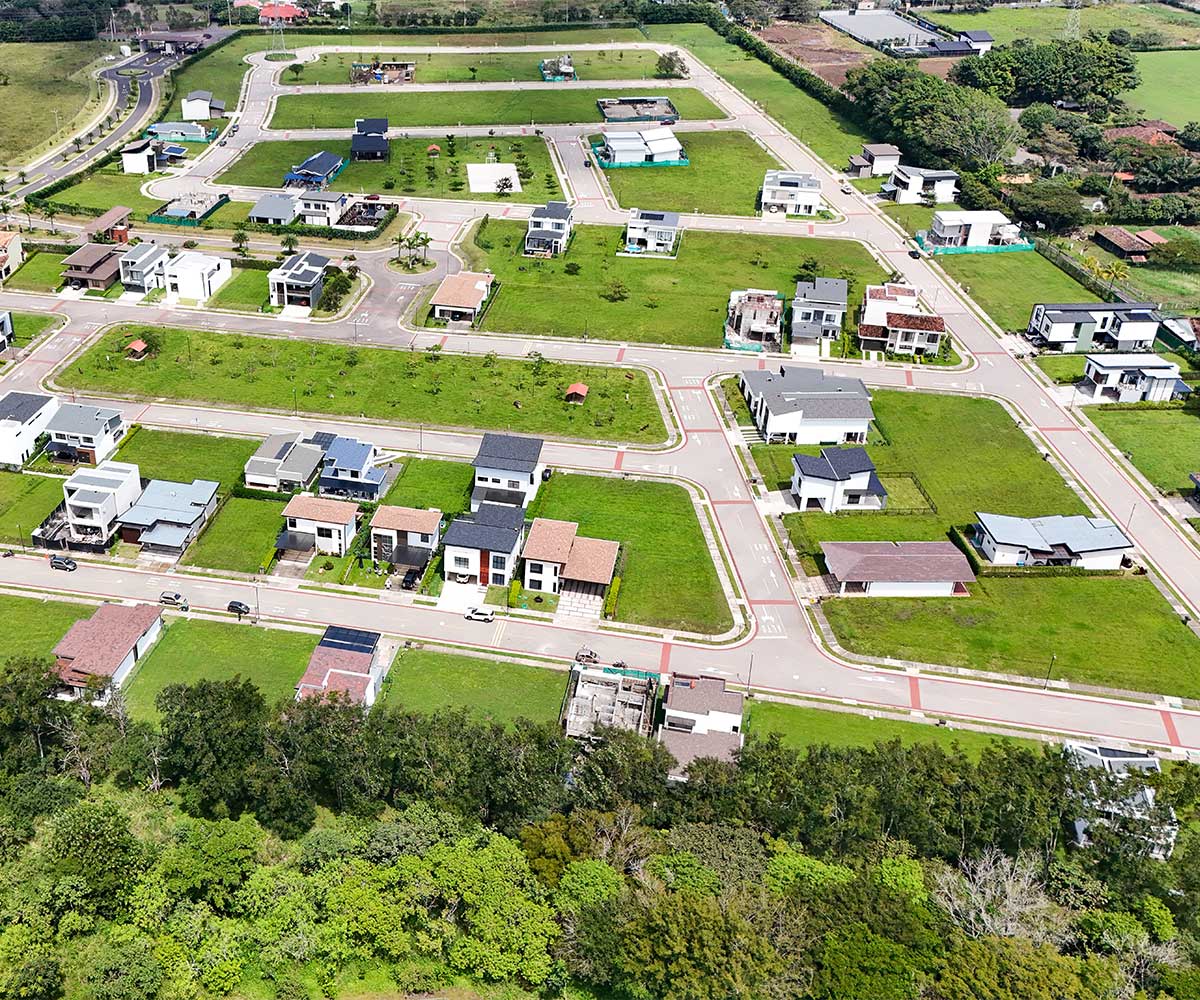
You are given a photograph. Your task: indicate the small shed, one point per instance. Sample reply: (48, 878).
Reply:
(136, 350)
(433, 150)
(576, 392)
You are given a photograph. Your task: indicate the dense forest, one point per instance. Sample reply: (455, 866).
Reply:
(304, 850)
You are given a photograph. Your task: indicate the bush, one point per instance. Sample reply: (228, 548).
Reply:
(610, 599)
(514, 592)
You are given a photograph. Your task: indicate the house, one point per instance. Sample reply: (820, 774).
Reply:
(322, 208)
(483, 546)
(558, 560)
(837, 479)
(167, 516)
(82, 433)
(347, 663)
(461, 297)
(144, 267)
(600, 698)
(1115, 787)
(649, 146)
(1086, 542)
(1131, 378)
(179, 132)
(917, 185)
(549, 229)
(93, 265)
(701, 718)
(371, 126)
(7, 334)
(1122, 243)
(754, 316)
(806, 406)
(12, 253)
(1149, 132)
(792, 192)
(197, 276)
(200, 106)
(818, 315)
(981, 42)
(651, 232)
(383, 71)
(283, 463)
(318, 523)
(286, 13)
(112, 225)
(95, 498)
(24, 417)
(140, 157)
(350, 469)
(275, 209)
(316, 172)
(404, 537)
(898, 569)
(878, 159)
(102, 651)
(298, 281)
(557, 69)
(370, 141)
(892, 319)
(508, 470)
(1079, 327)
(958, 228)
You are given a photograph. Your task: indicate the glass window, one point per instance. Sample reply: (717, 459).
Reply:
(324, 532)
(425, 538)
(461, 562)
(535, 583)
(514, 484)
(291, 522)
(536, 568)
(499, 562)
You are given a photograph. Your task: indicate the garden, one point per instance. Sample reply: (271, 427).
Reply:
(25, 502)
(248, 290)
(41, 272)
(240, 537)
(432, 483)
(1168, 87)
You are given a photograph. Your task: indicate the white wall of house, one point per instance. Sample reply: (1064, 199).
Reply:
(506, 479)
(139, 650)
(197, 282)
(499, 570)
(17, 440)
(932, 588)
(544, 576)
(709, 722)
(793, 428)
(195, 110)
(834, 495)
(411, 539)
(333, 539)
(1001, 554)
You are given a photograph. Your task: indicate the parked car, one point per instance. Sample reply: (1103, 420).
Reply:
(480, 615)
(411, 579)
(173, 599)
(238, 608)
(462, 577)
(915, 254)
(65, 563)
(222, 142)
(586, 655)
(847, 187)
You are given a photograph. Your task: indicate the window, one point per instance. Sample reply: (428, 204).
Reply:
(324, 532)
(481, 479)
(425, 538)
(498, 579)
(536, 568)
(291, 522)
(353, 473)
(88, 439)
(496, 481)
(462, 562)
(535, 583)
(499, 562)
(514, 484)
(805, 315)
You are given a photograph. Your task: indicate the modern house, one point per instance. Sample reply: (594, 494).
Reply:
(347, 663)
(318, 523)
(280, 13)
(179, 132)
(196, 276)
(1079, 327)
(557, 69)
(818, 315)
(299, 280)
(100, 652)
(917, 185)
(806, 406)
(167, 516)
(892, 320)
(754, 319)
(1131, 378)
(508, 470)
(404, 537)
(483, 546)
(145, 156)
(959, 229)
(322, 208)
(981, 42)
(558, 560)
(600, 698)
(24, 417)
(200, 106)
(701, 718)
(792, 192)
(275, 209)
(837, 479)
(143, 267)
(898, 569)
(316, 172)
(7, 333)
(370, 141)
(549, 229)
(284, 463)
(82, 433)
(651, 232)
(1086, 542)
(652, 146)
(350, 469)
(461, 297)
(878, 159)
(93, 265)
(12, 253)
(95, 498)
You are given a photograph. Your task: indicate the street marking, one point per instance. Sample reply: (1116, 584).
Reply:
(726, 503)
(914, 692)
(1169, 725)
(664, 659)
(620, 459)
(1048, 429)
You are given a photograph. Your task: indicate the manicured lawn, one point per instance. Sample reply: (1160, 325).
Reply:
(422, 680)
(25, 502)
(41, 272)
(346, 570)
(1168, 87)
(668, 579)
(1046, 23)
(679, 301)
(408, 171)
(1008, 285)
(723, 177)
(27, 327)
(914, 217)
(32, 627)
(483, 392)
(191, 651)
(1016, 625)
(1162, 444)
(240, 537)
(432, 482)
(1062, 368)
(492, 107)
(247, 291)
(489, 67)
(181, 457)
(108, 187)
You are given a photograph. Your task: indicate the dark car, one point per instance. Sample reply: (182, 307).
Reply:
(238, 608)
(411, 579)
(915, 254)
(65, 563)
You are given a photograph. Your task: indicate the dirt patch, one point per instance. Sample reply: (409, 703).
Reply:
(939, 66)
(819, 48)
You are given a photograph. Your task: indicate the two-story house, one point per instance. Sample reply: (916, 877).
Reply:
(144, 268)
(404, 536)
(93, 265)
(651, 231)
(196, 276)
(754, 316)
(917, 185)
(508, 470)
(549, 229)
(878, 159)
(322, 208)
(701, 718)
(792, 192)
(318, 523)
(298, 281)
(559, 560)
(970, 230)
(1080, 327)
(12, 253)
(893, 320)
(83, 433)
(351, 468)
(24, 417)
(818, 315)
(96, 498)
(837, 479)
(483, 547)
(284, 463)
(1131, 378)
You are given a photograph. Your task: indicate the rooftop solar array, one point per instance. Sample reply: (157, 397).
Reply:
(353, 639)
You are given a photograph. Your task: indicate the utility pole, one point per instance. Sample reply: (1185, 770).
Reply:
(1053, 657)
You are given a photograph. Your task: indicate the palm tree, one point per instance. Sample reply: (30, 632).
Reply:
(421, 242)
(5, 207)
(21, 176)
(401, 242)
(1114, 271)
(78, 143)
(289, 242)
(50, 215)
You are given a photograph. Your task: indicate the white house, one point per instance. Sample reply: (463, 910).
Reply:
(24, 417)
(283, 462)
(276, 208)
(754, 316)
(916, 185)
(792, 192)
(878, 159)
(508, 470)
(200, 106)
(82, 433)
(651, 231)
(178, 132)
(139, 157)
(196, 276)
(1086, 542)
(95, 498)
(549, 229)
(144, 268)
(460, 297)
(898, 569)
(559, 560)
(1079, 327)
(104, 649)
(837, 479)
(482, 547)
(7, 333)
(167, 516)
(1131, 378)
(981, 42)
(404, 536)
(12, 253)
(298, 281)
(892, 319)
(322, 208)
(651, 145)
(959, 228)
(701, 718)
(805, 406)
(1119, 791)
(818, 314)
(312, 522)
(346, 663)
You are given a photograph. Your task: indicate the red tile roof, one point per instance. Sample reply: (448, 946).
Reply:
(1122, 239)
(916, 321)
(310, 508)
(424, 522)
(896, 562)
(334, 669)
(97, 646)
(1144, 133)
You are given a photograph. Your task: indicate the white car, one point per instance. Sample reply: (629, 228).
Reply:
(480, 615)
(173, 599)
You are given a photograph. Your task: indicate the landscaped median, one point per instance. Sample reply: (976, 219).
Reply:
(431, 387)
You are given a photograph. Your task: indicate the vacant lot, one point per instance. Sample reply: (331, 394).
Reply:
(240, 537)
(248, 290)
(33, 627)
(487, 67)
(1176, 287)
(1008, 285)
(485, 392)
(25, 502)
(1168, 88)
(41, 272)
(651, 301)
(108, 187)
(1163, 444)
(820, 48)
(433, 483)
(181, 458)
(1044, 24)
(27, 327)
(913, 217)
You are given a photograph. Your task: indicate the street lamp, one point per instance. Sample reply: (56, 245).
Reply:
(750, 675)
(1053, 657)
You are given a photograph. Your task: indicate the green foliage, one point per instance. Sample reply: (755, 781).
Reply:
(1154, 915)
(211, 861)
(1079, 70)
(94, 842)
(683, 872)
(123, 967)
(514, 592)
(1109, 931)
(790, 869)
(904, 877)
(1016, 968)
(586, 883)
(611, 598)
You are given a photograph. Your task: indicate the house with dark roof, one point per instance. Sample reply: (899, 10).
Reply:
(93, 265)
(316, 172)
(651, 232)
(1122, 243)
(701, 718)
(791, 405)
(347, 663)
(898, 569)
(1086, 542)
(508, 470)
(370, 141)
(283, 462)
(482, 547)
(83, 433)
(559, 560)
(1131, 378)
(980, 41)
(351, 469)
(1079, 327)
(818, 314)
(878, 159)
(298, 281)
(99, 653)
(404, 537)
(549, 229)
(200, 106)
(918, 185)
(24, 417)
(167, 516)
(837, 479)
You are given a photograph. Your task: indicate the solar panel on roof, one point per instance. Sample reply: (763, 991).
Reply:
(322, 439)
(354, 639)
(283, 450)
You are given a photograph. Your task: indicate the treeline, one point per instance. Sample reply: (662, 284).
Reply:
(52, 20)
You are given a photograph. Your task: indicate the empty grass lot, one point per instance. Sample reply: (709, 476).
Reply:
(668, 579)
(489, 67)
(33, 627)
(1162, 444)
(180, 457)
(723, 177)
(239, 537)
(679, 301)
(425, 681)
(384, 384)
(1044, 24)
(41, 272)
(27, 327)
(432, 483)
(1168, 87)
(913, 217)
(25, 502)
(191, 651)
(1062, 368)
(493, 107)
(248, 290)
(1008, 285)
(108, 187)
(1016, 625)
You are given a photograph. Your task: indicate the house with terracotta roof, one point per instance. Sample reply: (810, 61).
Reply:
(280, 12)
(1149, 131)
(347, 663)
(1122, 243)
(404, 537)
(12, 253)
(701, 718)
(461, 297)
(898, 569)
(559, 560)
(318, 523)
(893, 320)
(101, 651)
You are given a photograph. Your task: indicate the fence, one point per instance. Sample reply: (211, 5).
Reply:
(939, 251)
(176, 220)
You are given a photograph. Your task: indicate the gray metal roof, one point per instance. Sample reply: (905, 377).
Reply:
(811, 392)
(20, 406)
(669, 220)
(1117, 308)
(826, 291)
(977, 36)
(140, 254)
(199, 95)
(173, 503)
(834, 464)
(301, 268)
(492, 527)
(552, 210)
(507, 451)
(76, 418)
(275, 206)
(1077, 534)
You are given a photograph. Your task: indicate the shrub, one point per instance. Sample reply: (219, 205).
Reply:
(514, 592)
(610, 599)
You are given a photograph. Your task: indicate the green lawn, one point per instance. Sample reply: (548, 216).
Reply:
(25, 502)
(410, 170)
(247, 291)
(418, 109)
(1008, 285)
(1162, 444)
(240, 537)
(27, 327)
(1176, 287)
(33, 627)
(191, 651)
(484, 392)
(108, 187)
(41, 272)
(433, 483)
(1168, 87)
(668, 580)
(679, 301)
(422, 680)
(1062, 368)
(914, 217)
(489, 67)
(737, 402)
(1046, 23)
(180, 457)
(1015, 626)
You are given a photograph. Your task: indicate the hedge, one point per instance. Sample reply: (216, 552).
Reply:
(610, 599)
(514, 591)
(245, 492)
